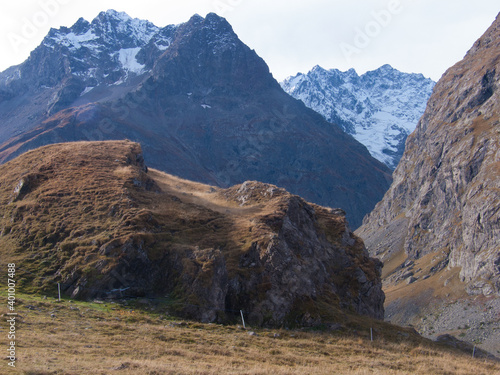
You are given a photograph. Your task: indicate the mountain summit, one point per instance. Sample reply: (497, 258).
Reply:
(379, 108)
(202, 104)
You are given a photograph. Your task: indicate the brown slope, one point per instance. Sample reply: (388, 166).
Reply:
(437, 229)
(92, 217)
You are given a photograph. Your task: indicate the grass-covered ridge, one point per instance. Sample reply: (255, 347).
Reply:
(92, 217)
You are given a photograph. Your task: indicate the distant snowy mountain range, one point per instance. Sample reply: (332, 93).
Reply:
(379, 108)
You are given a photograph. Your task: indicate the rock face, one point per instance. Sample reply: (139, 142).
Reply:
(444, 200)
(203, 105)
(101, 223)
(301, 261)
(379, 108)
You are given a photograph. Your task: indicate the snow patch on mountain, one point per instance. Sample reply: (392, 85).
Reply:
(75, 41)
(163, 47)
(140, 30)
(135, 31)
(379, 108)
(127, 57)
(86, 90)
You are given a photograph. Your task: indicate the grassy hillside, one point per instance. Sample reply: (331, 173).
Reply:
(151, 246)
(91, 217)
(73, 337)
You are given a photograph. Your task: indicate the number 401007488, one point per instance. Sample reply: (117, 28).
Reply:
(11, 284)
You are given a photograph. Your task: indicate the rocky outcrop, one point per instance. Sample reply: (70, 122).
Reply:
(293, 259)
(443, 205)
(130, 231)
(309, 255)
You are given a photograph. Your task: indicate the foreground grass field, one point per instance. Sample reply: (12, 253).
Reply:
(71, 337)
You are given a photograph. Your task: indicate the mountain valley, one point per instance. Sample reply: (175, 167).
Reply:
(172, 189)
(437, 230)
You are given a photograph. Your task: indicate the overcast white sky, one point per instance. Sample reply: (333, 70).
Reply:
(421, 36)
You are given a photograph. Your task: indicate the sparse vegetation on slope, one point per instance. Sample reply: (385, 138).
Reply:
(205, 104)
(72, 337)
(437, 228)
(91, 217)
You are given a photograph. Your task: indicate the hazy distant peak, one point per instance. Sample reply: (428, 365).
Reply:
(380, 108)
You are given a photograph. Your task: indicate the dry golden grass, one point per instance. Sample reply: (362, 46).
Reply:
(82, 196)
(90, 338)
(74, 203)
(444, 284)
(393, 263)
(83, 205)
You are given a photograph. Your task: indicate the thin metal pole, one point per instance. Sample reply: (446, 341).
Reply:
(242, 319)
(59, 290)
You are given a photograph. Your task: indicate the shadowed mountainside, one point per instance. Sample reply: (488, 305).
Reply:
(202, 104)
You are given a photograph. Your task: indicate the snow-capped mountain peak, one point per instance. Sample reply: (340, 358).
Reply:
(184, 91)
(111, 28)
(108, 50)
(379, 108)
(111, 13)
(113, 25)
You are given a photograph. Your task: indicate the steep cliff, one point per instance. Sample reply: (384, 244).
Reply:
(441, 215)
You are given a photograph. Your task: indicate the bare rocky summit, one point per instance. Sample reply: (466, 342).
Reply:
(437, 230)
(93, 217)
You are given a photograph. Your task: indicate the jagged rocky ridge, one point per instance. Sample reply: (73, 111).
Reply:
(444, 200)
(133, 231)
(203, 105)
(379, 108)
